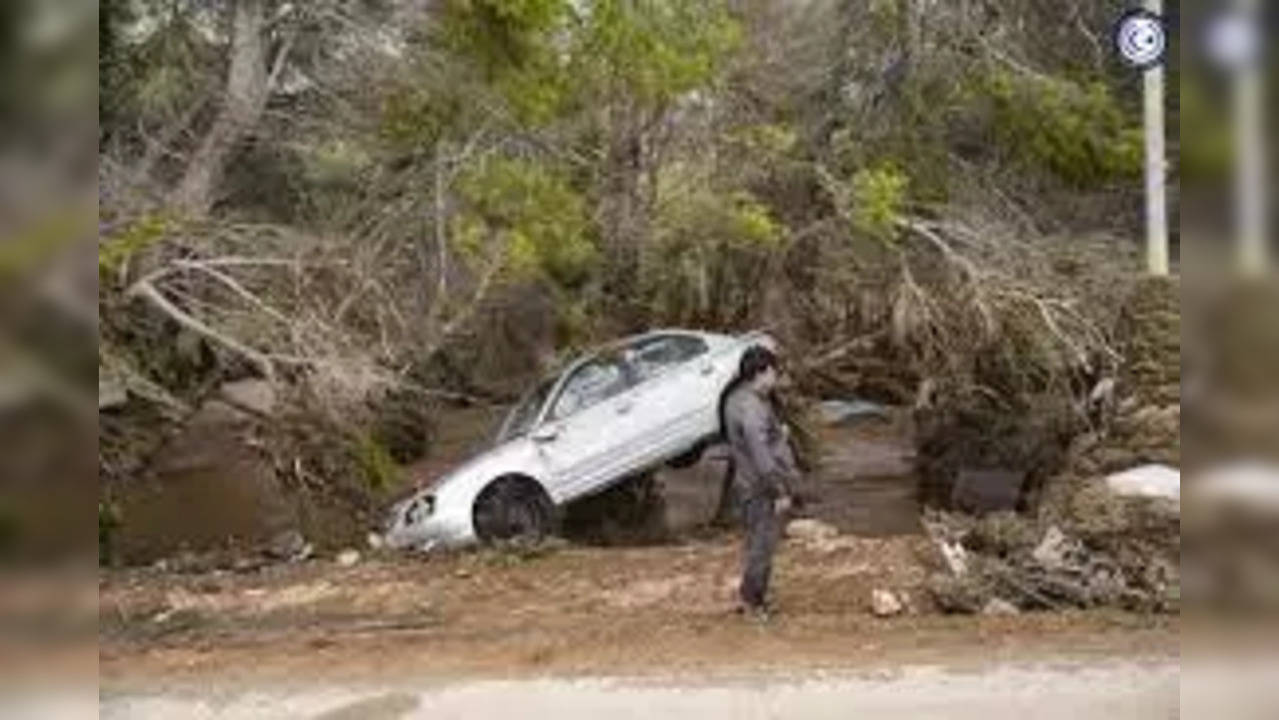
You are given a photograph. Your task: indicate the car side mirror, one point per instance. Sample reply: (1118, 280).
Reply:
(546, 432)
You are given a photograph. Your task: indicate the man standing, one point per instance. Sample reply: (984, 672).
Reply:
(764, 470)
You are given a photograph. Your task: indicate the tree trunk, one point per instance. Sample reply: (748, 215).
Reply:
(830, 102)
(623, 213)
(247, 88)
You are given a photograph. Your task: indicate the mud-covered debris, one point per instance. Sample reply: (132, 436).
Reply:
(885, 603)
(999, 606)
(1002, 534)
(966, 594)
(955, 556)
(1052, 552)
(1087, 537)
(1118, 552)
(844, 412)
(256, 396)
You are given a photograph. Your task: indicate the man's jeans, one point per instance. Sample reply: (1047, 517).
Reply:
(762, 531)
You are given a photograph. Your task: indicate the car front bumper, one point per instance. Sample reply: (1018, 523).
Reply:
(410, 527)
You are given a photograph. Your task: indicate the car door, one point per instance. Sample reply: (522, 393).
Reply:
(586, 438)
(676, 393)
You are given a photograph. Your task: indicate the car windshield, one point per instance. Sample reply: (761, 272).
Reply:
(525, 414)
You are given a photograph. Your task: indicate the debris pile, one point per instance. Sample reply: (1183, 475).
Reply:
(1008, 560)
(1106, 529)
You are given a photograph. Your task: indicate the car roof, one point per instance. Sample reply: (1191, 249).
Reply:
(631, 339)
(597, 350)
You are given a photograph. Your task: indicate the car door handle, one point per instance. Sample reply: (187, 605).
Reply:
(624, 407)
(707, 369)
(546, 433)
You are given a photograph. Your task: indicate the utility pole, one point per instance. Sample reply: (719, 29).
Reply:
(1141, 41)
(1250, 158)
(1156, 165)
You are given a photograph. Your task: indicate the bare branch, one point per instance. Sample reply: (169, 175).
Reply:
(236, 288)
(145, 289)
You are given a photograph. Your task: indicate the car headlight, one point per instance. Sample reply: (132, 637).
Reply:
(417, 509)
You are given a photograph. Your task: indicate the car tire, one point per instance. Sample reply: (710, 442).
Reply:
(514, 508)
(688, 458)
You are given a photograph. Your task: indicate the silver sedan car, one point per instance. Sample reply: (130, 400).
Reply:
(615, 413)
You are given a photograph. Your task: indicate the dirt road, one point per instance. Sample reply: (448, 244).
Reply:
(1111, 690)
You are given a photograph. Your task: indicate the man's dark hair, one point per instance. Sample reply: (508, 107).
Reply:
(755, 360)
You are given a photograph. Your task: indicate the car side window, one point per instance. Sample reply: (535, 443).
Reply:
(592, 383)
(653, 356)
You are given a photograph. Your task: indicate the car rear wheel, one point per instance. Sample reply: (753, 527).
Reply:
(688, 458)
(513, 509)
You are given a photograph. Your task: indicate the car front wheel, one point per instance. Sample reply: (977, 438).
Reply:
(513, 508)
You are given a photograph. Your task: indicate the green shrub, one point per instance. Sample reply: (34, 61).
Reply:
(538, 219)
(1078, 131)
(377, 466)
(878, 199)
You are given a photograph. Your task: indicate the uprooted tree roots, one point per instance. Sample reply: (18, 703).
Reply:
(1079, 544)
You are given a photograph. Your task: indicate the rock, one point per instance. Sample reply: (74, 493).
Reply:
(1150, 481)
(289, 545)
(348, 557)
(111, 391)
(245, 564)
(983, 491)
(375, 541)
(256, 396)
(999, 606)
(810, 530)
(883, 603)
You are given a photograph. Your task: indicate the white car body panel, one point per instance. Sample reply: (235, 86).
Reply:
(638, 429)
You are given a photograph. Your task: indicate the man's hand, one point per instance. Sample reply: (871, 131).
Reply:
(782, 505)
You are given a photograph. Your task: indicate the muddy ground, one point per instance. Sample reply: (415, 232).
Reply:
(581, 609)
(574, 610)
